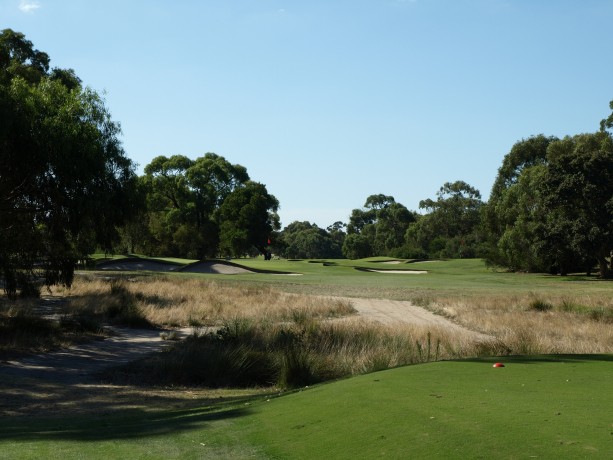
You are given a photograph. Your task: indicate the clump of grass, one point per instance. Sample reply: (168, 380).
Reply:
(540, 305)
(601, 314)
(23, 330)
(245, 353)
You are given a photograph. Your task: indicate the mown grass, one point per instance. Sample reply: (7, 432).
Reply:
(535, 407)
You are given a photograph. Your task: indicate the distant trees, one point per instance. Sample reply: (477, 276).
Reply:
(551, 207)
(577, 191)
(303, 240)
(514, 210)
(183, 198)
(65, 181)
(451, 226)
(378, 228)
(247, 218)
(201, 208)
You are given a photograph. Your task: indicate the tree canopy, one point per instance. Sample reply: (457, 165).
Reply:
(65, 181)
(202, 208)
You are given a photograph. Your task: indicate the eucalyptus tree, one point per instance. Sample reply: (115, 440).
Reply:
(514, 209)
(247, 218)
(65, 181)
(578, 192)
(449, 228)
(381, 226)
(184, 198)
(308, 241)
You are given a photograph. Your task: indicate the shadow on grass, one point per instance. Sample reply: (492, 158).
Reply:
(94, 413)
(128, 425)
(539, 359)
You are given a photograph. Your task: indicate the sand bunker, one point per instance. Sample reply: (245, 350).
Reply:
(399, 272)
(217, 267)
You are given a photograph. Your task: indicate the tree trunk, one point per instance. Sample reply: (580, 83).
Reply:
(605, 271)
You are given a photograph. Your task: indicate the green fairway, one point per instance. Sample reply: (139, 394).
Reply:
(535, 407)
(458, 277)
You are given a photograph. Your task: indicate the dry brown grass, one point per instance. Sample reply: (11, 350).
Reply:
(527, 324)
(191, 302)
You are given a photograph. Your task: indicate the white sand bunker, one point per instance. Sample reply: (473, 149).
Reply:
(399, 272)
(217, 267)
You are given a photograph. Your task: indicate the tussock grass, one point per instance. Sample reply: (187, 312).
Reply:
(246, 353)
(24, 330)
(529, 324)
(256, 335)
(191, 302)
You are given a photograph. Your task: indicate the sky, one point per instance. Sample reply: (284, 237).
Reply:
(327, 102)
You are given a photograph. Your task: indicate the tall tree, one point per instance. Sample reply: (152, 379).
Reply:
(381, 225)
(247, 218)
(184, 198)
(306, 240)
(578, 191)
(65, 182)
(450, 226)
(512, 212)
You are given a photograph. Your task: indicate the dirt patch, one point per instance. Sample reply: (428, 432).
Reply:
(392, 312)
(66, 381)
(80, 364)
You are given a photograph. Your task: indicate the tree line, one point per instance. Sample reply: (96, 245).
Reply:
(550, 210)
(68, 189)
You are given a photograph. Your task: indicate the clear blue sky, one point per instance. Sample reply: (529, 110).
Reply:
(327, 102)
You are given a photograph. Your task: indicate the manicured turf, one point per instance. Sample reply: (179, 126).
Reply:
(458, 277)
(535, 407)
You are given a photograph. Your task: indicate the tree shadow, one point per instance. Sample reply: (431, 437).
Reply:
(39, 410)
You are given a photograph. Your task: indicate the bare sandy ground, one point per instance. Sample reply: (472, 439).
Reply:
(66, 379)
(82, 362)
(79, 364)
(393, 312)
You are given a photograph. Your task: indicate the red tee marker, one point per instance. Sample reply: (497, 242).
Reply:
(498, 365)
